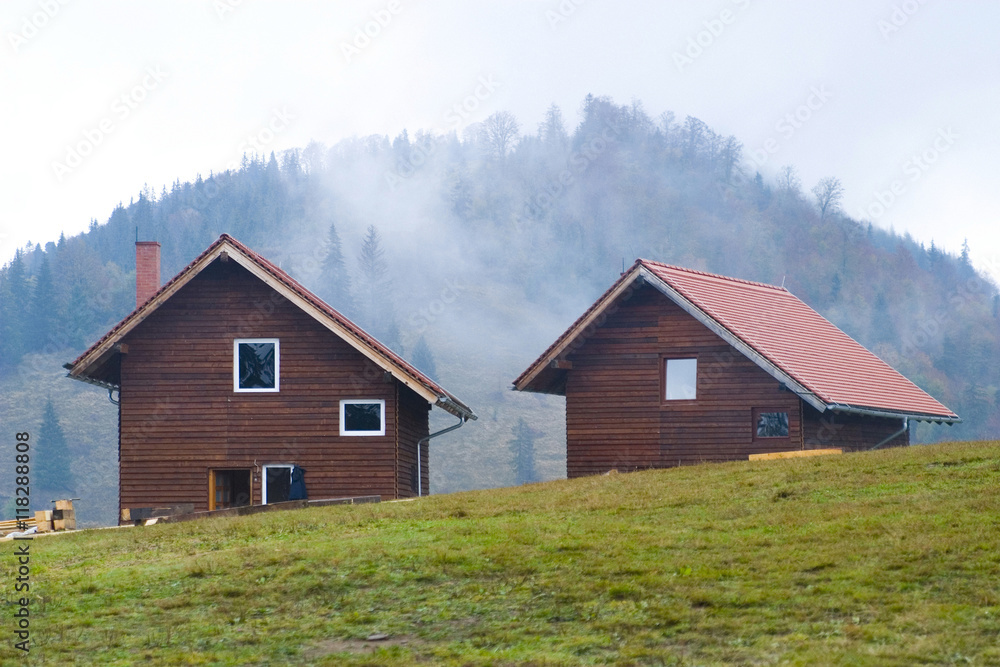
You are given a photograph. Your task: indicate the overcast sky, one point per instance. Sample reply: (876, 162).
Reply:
(898, 99)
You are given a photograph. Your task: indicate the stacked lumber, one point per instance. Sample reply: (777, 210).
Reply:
(12, 526)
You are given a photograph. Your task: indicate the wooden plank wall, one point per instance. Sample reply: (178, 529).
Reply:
(850, 432)
(413, 425)
(180, 416)
(615, 415)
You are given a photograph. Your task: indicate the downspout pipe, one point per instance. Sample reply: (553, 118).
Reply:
(906, 427)
(420, 444)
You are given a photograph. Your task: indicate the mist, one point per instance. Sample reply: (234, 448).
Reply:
(494, 241)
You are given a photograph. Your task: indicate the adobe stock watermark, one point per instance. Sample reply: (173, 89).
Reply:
(562, 12)
(122, 107)
(931, 328)
(457, 113)
(577, 164)
(256, 142)
(913, 170)
(224, 7)
(427, 315)
(704, 39)
(791, 123)
(899, 17)
(365, 34)
(33, 24)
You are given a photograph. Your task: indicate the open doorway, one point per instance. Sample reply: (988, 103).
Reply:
(277, 483)
(228, 488)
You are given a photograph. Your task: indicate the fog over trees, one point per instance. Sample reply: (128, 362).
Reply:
(471, 253)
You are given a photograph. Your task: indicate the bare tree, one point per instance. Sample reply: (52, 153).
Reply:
(730, 155)
(499, 132)
(788, 180)
(828, 193)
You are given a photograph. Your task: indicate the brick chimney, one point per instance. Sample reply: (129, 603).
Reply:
(147, 270)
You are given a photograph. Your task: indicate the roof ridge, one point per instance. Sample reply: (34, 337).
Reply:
(776, 329)
(310, 296)
(709, 274)
(282, 276)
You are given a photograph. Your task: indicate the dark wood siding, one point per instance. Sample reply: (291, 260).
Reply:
(181, 418)
(413, 425)
(850, 432)
(615, 413)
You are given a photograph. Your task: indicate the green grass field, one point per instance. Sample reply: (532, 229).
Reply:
(882, 558)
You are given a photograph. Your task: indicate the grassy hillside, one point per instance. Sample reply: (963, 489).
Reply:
(889, 557)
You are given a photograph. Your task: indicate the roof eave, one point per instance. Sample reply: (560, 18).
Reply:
(590, 316)
(89, 380)
(456, 407)
(91, 358)
(232, 248)
(895, 414)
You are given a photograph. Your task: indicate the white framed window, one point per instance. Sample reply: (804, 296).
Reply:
(256, 364)
(362, 417)
(681, 379)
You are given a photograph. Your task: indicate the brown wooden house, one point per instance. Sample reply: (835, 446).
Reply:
(673, 366)
(236, 384)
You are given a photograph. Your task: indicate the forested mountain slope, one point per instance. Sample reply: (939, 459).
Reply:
(471, 254)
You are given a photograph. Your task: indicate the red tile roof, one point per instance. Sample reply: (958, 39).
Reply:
(776, 325)
(446, 399)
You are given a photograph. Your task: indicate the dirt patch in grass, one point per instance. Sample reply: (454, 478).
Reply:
(360, 646)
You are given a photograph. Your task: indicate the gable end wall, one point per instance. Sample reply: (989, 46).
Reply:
(180, 416)
(615, 417)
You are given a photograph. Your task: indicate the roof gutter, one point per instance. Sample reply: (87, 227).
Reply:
(456, 408)
(83, 378)
(836, 407)
(420, 443)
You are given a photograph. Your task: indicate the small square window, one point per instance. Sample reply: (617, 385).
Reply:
(681, 382)
(771, 424)
(362, 417)
(255, 364)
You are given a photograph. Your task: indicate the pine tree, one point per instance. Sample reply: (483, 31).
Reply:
(423, 358)
(43, 315)
(50, 472)
(374, 274)
(377, 303)
(883, 328)
(523, 446)
(334, 276)
(552, 131)
(835, 286)
(14, 302)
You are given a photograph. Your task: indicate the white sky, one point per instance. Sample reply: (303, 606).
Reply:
(897, 79)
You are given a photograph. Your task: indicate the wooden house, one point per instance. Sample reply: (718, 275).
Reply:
(238, 386)
(673, 366)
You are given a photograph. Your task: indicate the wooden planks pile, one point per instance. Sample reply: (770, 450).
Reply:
(795, 454)
(63, 517)
(11, 526)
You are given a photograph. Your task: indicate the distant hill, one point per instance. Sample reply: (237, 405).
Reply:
(491, 244)
(886, 557)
